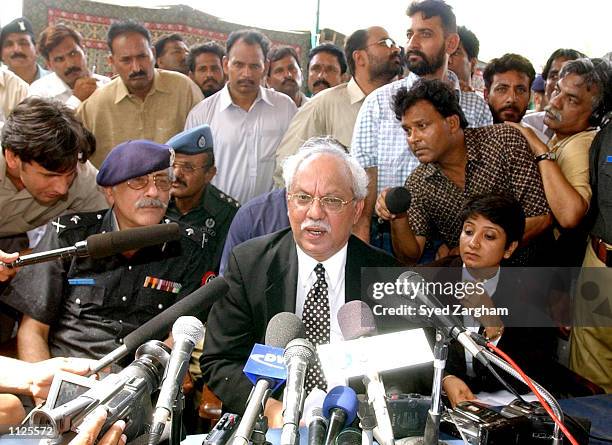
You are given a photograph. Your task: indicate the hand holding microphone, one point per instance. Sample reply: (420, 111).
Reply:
(392, 203)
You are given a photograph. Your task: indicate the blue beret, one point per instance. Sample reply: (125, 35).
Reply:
(132, 159)
(538, 84)
(21, 24)
(193, 141)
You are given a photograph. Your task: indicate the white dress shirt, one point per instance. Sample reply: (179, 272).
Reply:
(245, 142)
(53, 87)
(335, 278)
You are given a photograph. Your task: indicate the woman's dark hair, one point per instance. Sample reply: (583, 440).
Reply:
(48, 133)
(436, 92)
(501, 209)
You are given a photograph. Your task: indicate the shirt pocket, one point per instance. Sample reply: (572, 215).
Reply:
(86, 299)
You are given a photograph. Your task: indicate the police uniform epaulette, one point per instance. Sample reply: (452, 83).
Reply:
(223, 197)
(193, 234)
(72, 221)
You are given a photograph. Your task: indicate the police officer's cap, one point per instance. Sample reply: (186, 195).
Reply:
(193, 141)
(21, 24)
(132, 159)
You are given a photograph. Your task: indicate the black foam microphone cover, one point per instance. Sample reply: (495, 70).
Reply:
(398, 200)
(106, 244)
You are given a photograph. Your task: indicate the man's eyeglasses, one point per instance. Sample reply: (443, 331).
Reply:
(329, 203)
(186, 167)
(388, 42)
(162, 182)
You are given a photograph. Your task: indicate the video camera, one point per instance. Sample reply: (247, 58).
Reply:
(125, 396)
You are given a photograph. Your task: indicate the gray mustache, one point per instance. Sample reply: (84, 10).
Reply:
(150, 202)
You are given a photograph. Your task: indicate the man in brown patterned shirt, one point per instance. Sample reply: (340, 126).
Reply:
(456, 164)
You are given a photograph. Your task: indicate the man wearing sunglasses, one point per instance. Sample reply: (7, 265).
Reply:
(83, 307)
(195, 201)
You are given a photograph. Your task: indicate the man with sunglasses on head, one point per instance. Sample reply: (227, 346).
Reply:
(195, 201)
(83, 307)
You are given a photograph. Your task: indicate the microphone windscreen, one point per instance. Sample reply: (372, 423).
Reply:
(189, 327)
(197, 303)
(283, 328)
(344, 398)
(106, 244)
(356, 320)
(398, 200)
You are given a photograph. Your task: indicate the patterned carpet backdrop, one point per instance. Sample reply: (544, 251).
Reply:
(92, 20)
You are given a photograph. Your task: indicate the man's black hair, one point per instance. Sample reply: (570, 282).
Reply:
(160, 45)
(505, 63)
(566, 53)
(333, 50)
(356, 41)
(250, 36)
(470, 42)
(435, 8)
(118, 28)
(280, 52)
(208, 47)
(47, 132)
(440, 95)
(501, 209)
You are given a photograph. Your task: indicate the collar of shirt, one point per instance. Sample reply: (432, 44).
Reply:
(225, 99)
(354, 92)
(472, 151)
(555, 144)
(55, 85)
(158, 86)
(490, 285)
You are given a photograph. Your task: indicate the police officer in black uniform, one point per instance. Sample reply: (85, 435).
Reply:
(195, 200)
(84, 307)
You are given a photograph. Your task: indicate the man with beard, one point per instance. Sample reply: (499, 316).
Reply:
(550, 74)
(141, 102)
(83, 307)
(507, 90)
(205, 64)
(464, 60)
(71, 82)
(379, 143)
(19, 50)
(247, 120)
(285, 74)
(171, 53)
(326, 66)
(373, 60)
(581, 100)
(195, 201)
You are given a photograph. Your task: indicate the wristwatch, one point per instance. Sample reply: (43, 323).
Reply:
(549, 155)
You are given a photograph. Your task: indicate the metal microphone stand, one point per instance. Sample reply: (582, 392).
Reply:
(432, 424)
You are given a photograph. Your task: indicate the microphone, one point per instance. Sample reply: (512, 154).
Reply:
(317, 426)
(198, 302)
(187, 332)
(299, 354)
(357, 320)
(103, 245)
(265, 368)
(397, 201)
(449, 324)
(340, 407)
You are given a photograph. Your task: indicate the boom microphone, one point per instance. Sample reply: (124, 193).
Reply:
(102, 245)
(186, 333)
(357, 320)
(198, 302)
(449, 324)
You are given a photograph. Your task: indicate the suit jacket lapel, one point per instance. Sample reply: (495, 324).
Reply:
(282, 278)
(352, 277)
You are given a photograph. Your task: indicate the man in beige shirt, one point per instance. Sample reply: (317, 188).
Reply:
(142, 102)
(12, 91)
(43, 171)
(373, 60)
(577, 106)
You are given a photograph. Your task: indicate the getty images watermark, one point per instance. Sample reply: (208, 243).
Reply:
(402, 298)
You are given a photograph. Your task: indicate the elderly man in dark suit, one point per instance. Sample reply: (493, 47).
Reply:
(311, 269)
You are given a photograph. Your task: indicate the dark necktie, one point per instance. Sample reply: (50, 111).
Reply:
(316, 320)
